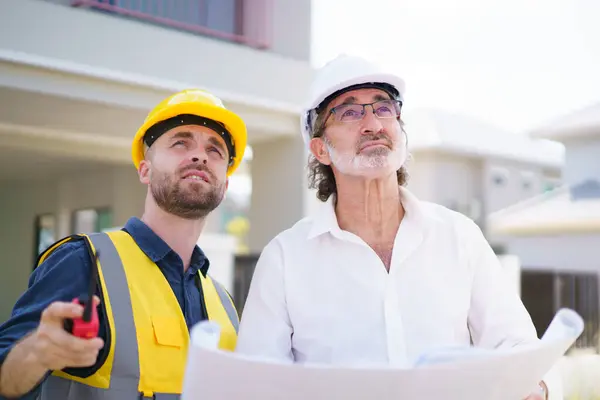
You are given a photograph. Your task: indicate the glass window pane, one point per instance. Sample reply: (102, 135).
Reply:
(92, 220)
(45, 231)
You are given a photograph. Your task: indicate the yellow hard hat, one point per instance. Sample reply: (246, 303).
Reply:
(206, 106)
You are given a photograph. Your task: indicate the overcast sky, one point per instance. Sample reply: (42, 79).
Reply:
(514, 63)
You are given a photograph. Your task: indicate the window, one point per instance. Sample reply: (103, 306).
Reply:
(92, 220)
(527, 180)
(217, 15)
(221, 15)
(550, 183)
(240, 21)
(45, 232)
(499, 176)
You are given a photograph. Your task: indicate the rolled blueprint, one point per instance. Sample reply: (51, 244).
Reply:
(453, 373)
(206, 334)
(566, 324)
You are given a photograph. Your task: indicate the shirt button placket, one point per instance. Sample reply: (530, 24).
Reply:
(394, 327)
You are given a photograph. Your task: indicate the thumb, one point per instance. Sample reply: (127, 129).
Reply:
(96, 301)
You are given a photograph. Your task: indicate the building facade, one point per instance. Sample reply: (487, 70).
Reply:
(476, 168)
(77, 78)
(557, 235)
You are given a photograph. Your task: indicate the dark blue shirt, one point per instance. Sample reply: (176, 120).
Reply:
(64, 275)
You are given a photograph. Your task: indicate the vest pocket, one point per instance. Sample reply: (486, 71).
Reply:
(167, 331)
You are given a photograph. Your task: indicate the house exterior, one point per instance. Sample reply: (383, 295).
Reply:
(556, 235)
(476, 168)
(77, 78)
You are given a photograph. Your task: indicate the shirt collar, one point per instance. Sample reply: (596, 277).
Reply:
(157, 249)
(325, 219)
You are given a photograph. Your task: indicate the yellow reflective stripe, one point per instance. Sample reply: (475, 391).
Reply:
(159, 327)
(102, 377)
(50, 249)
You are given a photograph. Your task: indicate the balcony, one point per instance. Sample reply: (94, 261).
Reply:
(125, 44)
(246, 22)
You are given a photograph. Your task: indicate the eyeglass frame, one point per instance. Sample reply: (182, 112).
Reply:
(364, 112)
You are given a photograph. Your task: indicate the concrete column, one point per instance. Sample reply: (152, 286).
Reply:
(511, 265)
(279, 191)
(213, 221)
(128, 195)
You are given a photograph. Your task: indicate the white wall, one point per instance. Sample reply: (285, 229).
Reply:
(513, 189)
(511, 265)
(582, 160)
(467, 184)
(279, 191)
(421, 175)
(292, 26)
(557, 253)
(446, 179)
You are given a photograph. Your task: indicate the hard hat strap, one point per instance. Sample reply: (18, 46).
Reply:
(160, 128)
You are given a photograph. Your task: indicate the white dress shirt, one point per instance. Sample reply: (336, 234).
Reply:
(322, 295)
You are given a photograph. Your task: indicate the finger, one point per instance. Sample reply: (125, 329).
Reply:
(56, 312)
(88, 355)
(56, 358)
(64, 340)
(61, 358)
(78, 359)
(83, 359)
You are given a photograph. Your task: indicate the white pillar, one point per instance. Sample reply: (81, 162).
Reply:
(65, 194)
(511, 264)
(128, 195)
(279, 190)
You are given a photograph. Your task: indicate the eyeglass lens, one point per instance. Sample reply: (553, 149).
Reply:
(354, 112)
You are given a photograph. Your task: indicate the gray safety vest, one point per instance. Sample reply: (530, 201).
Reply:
(125, 374)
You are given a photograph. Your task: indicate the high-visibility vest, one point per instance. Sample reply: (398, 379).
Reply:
(148, 336)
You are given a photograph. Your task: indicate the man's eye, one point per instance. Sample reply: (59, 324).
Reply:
(216, 150)
(178, 143)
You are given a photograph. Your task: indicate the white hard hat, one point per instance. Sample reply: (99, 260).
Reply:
(340, 73)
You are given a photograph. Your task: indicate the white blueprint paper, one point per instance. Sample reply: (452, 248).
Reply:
(456, 373)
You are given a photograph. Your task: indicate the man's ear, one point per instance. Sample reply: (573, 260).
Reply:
(226, 183)
(319, 150)
(144, 172)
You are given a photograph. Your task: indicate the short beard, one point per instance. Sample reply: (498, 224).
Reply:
(352, 162)
(193, 206)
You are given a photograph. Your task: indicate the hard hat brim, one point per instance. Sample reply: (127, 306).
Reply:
(233, 123)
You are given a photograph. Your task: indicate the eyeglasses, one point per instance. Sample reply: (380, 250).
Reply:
(356, 112)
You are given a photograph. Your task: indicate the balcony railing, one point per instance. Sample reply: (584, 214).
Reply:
(242, 21)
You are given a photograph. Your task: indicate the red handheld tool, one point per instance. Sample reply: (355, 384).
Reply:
(88, 325)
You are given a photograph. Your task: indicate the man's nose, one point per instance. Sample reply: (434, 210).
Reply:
(370, 122)
(198, 156)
